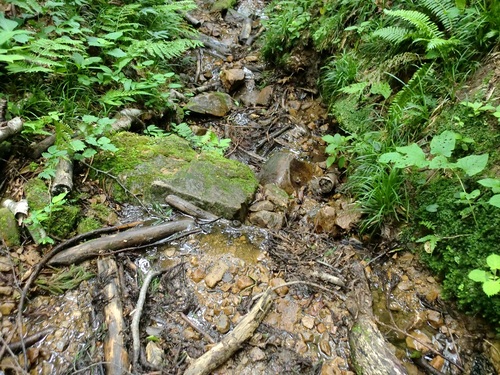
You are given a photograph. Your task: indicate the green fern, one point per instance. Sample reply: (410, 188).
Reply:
(393, 34)
(445, 11)
(409, 91)
(161, 49)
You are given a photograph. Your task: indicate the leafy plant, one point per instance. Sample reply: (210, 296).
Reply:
(336, 147)
(37, 218)
(207, 142)
(489, 279)
(62, 281)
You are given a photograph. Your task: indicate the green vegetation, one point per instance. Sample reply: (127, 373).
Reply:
(417, 145)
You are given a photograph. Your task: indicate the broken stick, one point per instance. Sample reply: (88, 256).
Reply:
(115, 354)
(221, 352)
(129, 238)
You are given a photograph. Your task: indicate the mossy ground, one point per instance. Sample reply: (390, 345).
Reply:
(9, 233)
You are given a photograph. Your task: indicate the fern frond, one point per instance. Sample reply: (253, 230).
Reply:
(405, 95)
(393, 34)
(119, 97)
(419, 20)
(400, 61)
(25, 67)
(442, 44)
(444, 10)
(31, 6)
(162, 49)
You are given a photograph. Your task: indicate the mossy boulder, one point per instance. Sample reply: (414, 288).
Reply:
(62, 219)
(152, 168)
(9, 232)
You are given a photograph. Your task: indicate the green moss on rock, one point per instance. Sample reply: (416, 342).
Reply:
(88, 224)
(9, 232)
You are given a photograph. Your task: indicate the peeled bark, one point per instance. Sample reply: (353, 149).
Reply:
(130, 238)
(189, 208)
(115, 354)
(10, 128)
(63, 180)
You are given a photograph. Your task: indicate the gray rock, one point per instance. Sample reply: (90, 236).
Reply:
(153, 168)
(154, 354)
(212, 103)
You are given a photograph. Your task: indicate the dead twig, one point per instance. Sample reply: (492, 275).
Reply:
(221, 352)
(134, 327)
(196, 328)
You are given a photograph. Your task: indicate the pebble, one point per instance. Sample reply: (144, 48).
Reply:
(222, 323)
(190, 334)
(414, 344)
(6, 290)
(7, 307)
(434, 318)
(279, 291)
(308, 321)
(243, 282)
(215, 274)
(301, 347)
(257, 354)
(307, 336)
(5, 264)
(321, 328)
(437, 362)
(324, 345)
(154, 354)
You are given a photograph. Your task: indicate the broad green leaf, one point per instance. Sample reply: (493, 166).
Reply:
(113, 36)
(78, 145)
(328, 138)
(495, 200)
(440, 162)
(408, 156)
(479, 275)
(493, 183)
(89, 152)
(330, 161)
(443, 144)
(7, 25)
(472, 164)
(382, 88)
(491, 287)
(493, 261)
(58, 198)
(89, 119)
(117, 52)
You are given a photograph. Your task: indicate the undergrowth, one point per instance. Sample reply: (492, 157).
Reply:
(393, 78)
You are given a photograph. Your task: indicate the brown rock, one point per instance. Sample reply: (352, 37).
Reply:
(265, 95)
(243, 282)
(422, 338)
(216, 273)
(7, 307)
(232, 78)
(262, 206)
(321, 328)
(308, 322)
(257, 354)
(154, 354)
(279, 291)
(6, 290)
(197, 275)
(324, 345)
(5, 264)
(222, 323)
(434, 318)
(437, 362)
(266, 219)
(301, 347)
(190, 334)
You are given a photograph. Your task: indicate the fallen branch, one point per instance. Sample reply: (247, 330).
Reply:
(115, 354)
(221, 352)
(29, 340)
(189, 208)
(134, 327)
(129, 238)
(38, 148)
(9, 128)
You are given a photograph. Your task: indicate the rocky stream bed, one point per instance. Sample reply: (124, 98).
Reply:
(343, 296)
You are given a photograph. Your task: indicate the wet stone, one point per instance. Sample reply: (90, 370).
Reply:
(437, 362)
(243, 282)
(434, 318)
(190, 334)
(212, 103)
(216, 274)
(222, 323)
(414, 344)
(264, 97)
(266, 219)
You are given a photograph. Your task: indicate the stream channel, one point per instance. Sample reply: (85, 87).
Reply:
(212, 276)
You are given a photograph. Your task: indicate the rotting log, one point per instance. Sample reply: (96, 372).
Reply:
(129, 238)
(189, 208)
(371, 354)
(63, 180)
(221, 352)
(124, 119)
(11, 127)
(38, 148)
(115, 354)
